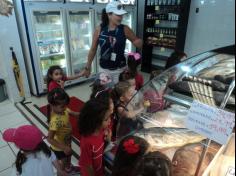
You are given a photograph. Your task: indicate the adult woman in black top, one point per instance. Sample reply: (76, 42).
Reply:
(111, 36)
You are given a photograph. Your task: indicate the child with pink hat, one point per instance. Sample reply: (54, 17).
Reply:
(34, 158)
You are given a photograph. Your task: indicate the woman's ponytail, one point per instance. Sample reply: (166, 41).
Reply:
(105, 19)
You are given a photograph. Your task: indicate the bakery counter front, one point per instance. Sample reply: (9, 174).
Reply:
(162, 105)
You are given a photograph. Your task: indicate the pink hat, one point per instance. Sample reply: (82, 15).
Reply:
(25, 137)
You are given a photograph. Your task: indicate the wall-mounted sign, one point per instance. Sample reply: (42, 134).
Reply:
(125, 2)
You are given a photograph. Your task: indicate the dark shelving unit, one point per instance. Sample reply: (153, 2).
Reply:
(165, 29)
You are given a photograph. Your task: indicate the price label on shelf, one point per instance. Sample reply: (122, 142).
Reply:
(157, 21)
(211, 122)
(157, 8)
(163, 49)
(161, 35)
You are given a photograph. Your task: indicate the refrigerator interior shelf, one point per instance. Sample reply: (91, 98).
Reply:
(161, 5)
(52, 30)
(50, 41)
(157, 45)
(159, 63)
(49, 55)
(164, 36)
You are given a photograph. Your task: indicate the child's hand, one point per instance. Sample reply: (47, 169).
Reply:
(61, 83)
(108, 135)
(81, 74)
(67, 150)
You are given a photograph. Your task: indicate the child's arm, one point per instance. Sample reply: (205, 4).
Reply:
(128, 114)
(60, 172)
(67, 150)
(75, 77)
(73, 113)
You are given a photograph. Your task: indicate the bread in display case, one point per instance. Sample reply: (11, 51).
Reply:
(164, 103)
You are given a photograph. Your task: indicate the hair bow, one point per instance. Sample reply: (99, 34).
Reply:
(136, 56)
(105, 78)
(130, 147)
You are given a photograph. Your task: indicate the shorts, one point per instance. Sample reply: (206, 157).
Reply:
(114, 73)
(60, 154)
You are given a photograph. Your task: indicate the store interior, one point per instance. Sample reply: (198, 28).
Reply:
(187, 60)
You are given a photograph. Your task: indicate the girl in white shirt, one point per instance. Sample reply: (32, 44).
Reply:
(34, 158)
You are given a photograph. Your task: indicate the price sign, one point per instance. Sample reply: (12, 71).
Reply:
(157, 8)
(214, 123)
(230, 172)
(161, 35)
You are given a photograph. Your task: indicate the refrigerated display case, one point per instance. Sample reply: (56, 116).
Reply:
(80, 38)
(162, 105)
(50, 39)
(59, 34)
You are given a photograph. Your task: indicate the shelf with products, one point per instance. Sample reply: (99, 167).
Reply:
(50, 41)
(161, 42)
(159, 63)
(165, 26)
(45, 56)
(163, 2)
(49, 30)
(163, 16)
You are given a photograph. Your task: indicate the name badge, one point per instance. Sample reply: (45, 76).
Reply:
(113, 57)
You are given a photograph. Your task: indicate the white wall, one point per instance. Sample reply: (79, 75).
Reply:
(213, 27)
(9, 37)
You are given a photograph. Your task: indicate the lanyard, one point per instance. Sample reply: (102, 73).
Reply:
(112, 39)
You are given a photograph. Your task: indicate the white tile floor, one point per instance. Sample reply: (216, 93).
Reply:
(11, 117)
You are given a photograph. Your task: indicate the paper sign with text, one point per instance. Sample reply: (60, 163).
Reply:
(231, 171)
(216, 124)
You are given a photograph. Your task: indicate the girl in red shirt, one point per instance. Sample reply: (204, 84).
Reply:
(134, 60)
(57, 79)
(93, 124)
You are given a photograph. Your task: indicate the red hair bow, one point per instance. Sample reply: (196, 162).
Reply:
(130, 147)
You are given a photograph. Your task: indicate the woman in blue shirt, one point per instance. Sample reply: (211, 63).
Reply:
(111, 36)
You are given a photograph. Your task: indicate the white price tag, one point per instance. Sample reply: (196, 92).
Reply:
(161, 35)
